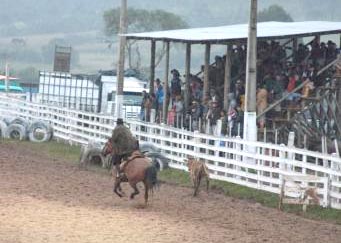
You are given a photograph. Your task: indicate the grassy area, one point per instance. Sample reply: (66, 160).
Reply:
(52, 149)
(172, 176)
(245, 193)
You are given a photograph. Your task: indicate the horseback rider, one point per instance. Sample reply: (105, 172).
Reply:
(124, 143)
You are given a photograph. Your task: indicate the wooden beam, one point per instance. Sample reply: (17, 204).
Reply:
(165, 86)
(152, 66)
(206, 70)
(187, 73)
(227, 77)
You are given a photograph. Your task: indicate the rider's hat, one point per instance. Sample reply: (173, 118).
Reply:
(119, 121)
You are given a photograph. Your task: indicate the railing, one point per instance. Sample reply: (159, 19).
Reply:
(253, 164)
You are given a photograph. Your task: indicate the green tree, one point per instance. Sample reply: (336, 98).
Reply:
(274, 13)
(141, 20)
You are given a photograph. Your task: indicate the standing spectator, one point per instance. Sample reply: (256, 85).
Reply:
(143, 104)
(262, 104)
(153, 104)
(224, 121)
(159, 99)
(175, 87)
(196, 114)
(331, 53)
(179, 107)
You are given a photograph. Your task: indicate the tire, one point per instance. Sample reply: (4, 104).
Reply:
(21, 121)
(6, 119)
(39, 132)
(91, 156)
(158, 160)
(3, 129)
(16, 131)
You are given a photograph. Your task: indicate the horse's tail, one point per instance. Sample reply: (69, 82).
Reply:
(151, 177)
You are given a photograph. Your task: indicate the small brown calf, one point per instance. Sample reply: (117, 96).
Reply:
(198, 170)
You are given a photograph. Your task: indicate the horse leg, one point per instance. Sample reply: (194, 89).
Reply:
(146, 189)
(136, 191)
(196, 186)
(207, 183)
(117, 185)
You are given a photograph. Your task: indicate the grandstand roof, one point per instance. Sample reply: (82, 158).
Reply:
(222, 34)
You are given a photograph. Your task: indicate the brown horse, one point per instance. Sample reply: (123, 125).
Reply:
(134, 169)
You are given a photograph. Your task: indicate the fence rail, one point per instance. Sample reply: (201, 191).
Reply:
(253, 164)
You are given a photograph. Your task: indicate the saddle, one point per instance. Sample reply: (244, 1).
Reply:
(127, 159)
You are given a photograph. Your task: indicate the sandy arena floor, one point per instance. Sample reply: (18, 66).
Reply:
(44, 199)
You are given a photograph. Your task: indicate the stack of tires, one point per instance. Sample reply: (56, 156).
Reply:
(21, 129)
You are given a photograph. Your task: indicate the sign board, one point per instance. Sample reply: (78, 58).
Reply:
(62, 59)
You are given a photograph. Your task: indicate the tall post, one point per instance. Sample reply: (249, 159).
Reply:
(206, 70)
(152, 67)
(120, 65)
(165, 86)
(187, 73)
(7, 78)
(250, 126)
(227, 77)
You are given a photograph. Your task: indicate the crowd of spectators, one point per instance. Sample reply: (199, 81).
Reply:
(280, 70)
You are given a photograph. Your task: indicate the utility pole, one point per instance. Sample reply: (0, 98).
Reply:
(120, 64)
(250, 125)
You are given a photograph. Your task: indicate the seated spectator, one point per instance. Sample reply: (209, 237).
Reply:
(294, 81)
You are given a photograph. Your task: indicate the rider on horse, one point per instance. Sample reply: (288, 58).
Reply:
(124, 143)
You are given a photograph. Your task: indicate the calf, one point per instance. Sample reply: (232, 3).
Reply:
(198, 170)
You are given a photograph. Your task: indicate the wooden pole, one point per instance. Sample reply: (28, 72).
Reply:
(227, 77)
(152, 67)
(206, 70)
(121, 59)
(165, 86)
(187, 73)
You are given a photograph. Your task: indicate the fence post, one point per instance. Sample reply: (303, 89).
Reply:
(282, 168)
(291, 144)
(332, 178)
(239, 158)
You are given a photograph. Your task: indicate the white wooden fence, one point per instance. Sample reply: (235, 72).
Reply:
(253, 164)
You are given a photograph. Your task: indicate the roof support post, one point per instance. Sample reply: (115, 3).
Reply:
(187, 74)
(120, 68)
(250, 126)
(206, 70)
(165, 86)
(227, 77)
(152, 67)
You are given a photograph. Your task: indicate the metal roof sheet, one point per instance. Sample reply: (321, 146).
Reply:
(270, 30)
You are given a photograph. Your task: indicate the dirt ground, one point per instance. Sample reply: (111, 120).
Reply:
(46, 199)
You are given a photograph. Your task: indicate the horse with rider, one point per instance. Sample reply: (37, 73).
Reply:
(128, 163)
